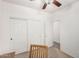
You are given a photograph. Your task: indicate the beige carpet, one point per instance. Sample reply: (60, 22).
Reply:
(53, 53)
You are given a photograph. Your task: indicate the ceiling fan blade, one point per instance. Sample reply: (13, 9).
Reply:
(44, 6)
(58, 4)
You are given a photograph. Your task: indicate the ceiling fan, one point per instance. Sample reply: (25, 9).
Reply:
(55, 2)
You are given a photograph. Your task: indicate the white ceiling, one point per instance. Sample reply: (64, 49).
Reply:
(37, 4)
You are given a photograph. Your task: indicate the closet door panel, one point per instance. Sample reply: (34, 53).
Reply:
(35, 32)
(18, 34)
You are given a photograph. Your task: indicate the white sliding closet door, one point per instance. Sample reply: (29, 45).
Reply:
(35, 32)
(18, 33)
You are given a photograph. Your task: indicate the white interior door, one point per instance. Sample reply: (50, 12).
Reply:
(18, 33)
(56, 31)
(35, 32)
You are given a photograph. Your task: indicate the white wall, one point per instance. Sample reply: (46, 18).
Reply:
(69, 30)
(49, 36)
(4, 36)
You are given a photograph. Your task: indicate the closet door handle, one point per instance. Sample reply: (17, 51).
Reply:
(11, 39)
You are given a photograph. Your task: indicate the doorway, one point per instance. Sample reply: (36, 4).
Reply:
(56, 31)
(18, 35)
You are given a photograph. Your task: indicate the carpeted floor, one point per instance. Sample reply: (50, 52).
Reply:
(53, 52)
